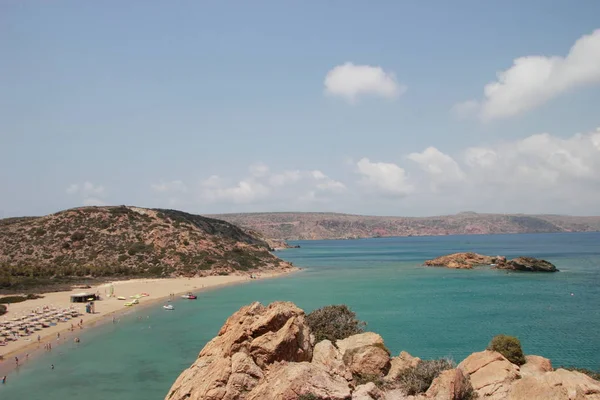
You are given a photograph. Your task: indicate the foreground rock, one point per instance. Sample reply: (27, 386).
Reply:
(490, 373)
(471, 260)
(266, 353)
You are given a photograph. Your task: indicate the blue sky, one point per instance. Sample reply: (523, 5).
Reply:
(362, 107)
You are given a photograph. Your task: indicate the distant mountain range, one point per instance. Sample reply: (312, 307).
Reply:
(312, 226)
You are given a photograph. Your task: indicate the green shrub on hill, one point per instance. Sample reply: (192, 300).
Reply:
(334, 322)
(509, 347)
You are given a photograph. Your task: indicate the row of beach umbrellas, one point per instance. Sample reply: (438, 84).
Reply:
(36, 320)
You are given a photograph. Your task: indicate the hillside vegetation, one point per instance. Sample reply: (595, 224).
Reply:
(307, 226)
(125, 241)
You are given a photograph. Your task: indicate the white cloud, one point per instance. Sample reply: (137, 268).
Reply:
(73, 188)
(259, 170)
(92, 201)
(534, 80)
(441, 168)
(538, 160)
(170, 187)
(466, 109)
(245, 191)
(350, 81)
(285, 178)
(327, 184)
(385, 178)
(89, 189)
(88, 192)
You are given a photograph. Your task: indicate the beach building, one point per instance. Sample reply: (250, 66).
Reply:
(83, 297)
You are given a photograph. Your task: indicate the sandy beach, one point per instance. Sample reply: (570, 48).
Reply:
(158, 290)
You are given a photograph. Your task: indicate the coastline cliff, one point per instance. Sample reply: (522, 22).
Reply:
(269, 352)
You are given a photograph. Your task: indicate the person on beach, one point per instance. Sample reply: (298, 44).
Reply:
(51, 366)
(58, 336)
(77, 340)
(4, 379)
(17, 361)
(39, 338)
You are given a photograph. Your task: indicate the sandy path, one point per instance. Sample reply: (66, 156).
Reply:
(159, 290)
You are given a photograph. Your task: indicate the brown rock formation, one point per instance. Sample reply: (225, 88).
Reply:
(470, 260)
(449, 385)
(490, 373)
(461, 260)
(327, 355)
(288, 381)
(529, 264)
(365, 354)
(368, 391)
(536, 365)
(264, 353)
(400, 363)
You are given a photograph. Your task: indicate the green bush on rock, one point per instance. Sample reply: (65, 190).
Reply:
(334, 322)
(308, 396)
(417, 379)
(509, 347)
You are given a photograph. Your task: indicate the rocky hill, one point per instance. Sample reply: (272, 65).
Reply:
(269, 353)
(312, 226)
(130, 241)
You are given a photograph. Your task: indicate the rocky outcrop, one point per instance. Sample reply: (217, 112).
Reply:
(536, 365)
(528, 264)
(365, 354)
(328, 356)
(287, 381)
(449, 385)
(235, 361)
(266, 353)
(461, 261)
(368, 391)
(399, 364)
(490, 374)
(471, 260)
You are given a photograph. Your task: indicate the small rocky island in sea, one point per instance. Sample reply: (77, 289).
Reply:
(279, 353)
(471, 260)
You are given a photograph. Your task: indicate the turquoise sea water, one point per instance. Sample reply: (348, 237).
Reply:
(429, 312)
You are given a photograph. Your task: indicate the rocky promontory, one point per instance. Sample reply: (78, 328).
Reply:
(471, 260)
(269, 353)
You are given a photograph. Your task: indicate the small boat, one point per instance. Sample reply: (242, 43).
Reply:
(189, 296)
(121, 298)
(168, 307)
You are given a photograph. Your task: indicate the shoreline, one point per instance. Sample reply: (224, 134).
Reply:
(28, 351)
